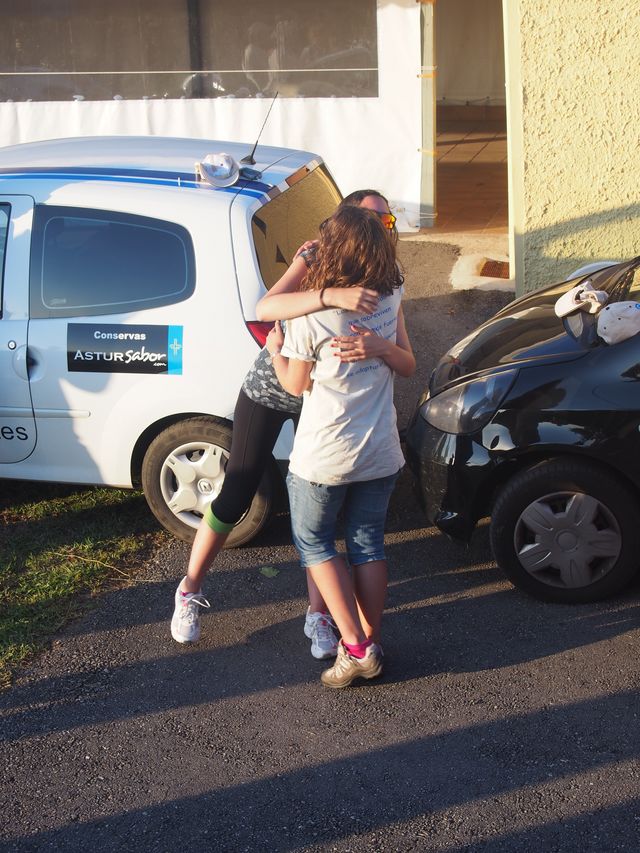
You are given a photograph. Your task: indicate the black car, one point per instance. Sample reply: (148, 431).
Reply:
(535, 421)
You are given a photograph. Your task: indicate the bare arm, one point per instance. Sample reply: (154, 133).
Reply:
(285, 300)
(294, 375)
(367, 344)
(277, 303)
(403, 343)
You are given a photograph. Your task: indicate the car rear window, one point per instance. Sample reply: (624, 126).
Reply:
(285, 223)
(92, 262)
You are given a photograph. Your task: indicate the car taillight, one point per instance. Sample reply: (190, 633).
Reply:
(259, 331)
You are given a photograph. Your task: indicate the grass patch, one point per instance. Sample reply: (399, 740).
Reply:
(59, 546)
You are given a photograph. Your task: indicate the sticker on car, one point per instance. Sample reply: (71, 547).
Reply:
(124, 349)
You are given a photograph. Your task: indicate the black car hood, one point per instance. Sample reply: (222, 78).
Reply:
(527, 331)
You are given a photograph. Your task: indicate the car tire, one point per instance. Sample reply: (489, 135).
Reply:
(567, 531)
(183, 471)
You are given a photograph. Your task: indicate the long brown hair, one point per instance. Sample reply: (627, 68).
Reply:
(353, 250)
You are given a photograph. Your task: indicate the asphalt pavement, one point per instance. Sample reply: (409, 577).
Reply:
(500, 724)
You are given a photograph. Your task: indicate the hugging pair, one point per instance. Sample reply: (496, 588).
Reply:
(345, 340)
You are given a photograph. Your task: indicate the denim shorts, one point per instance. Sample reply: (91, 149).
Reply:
(314, 515)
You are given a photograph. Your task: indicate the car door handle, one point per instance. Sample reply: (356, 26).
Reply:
(21, 363)
(32, 361)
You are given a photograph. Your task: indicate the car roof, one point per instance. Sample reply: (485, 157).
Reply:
(151, 159)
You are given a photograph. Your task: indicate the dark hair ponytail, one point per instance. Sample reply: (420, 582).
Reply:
(356, 198)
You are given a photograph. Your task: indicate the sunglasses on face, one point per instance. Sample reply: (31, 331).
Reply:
(388, 220)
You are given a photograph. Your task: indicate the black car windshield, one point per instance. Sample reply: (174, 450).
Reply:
(626, 284)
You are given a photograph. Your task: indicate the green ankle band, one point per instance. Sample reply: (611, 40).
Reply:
(215, 523)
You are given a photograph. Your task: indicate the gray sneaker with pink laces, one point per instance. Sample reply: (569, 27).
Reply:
(321, 630)
(185, 624)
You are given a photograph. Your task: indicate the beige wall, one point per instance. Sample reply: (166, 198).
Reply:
(573, 81)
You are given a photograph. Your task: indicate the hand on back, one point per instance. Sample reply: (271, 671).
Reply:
(362, 345)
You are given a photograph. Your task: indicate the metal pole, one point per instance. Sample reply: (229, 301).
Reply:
(195, 46)
(428, 79)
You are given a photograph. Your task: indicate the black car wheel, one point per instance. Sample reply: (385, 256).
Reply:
(567, 531)
(183, 471)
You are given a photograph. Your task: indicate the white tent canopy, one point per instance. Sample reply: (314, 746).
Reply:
(371, 141)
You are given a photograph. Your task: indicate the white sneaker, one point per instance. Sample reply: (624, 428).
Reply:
(320, 628)
(185, 624)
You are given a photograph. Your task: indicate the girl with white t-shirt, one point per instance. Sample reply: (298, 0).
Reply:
(346, 454)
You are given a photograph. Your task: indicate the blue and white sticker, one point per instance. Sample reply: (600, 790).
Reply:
(93, 348)
(174, 349)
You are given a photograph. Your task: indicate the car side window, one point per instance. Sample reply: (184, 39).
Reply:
(92, 262)
(5, 210)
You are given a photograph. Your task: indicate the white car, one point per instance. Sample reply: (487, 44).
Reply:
(131, 268)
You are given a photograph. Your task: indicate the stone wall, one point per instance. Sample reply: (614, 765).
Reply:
(575, 102)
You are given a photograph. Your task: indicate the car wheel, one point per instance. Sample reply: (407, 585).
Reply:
(183, 471)
(567, 531)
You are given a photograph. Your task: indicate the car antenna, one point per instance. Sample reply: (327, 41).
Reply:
(249, 157)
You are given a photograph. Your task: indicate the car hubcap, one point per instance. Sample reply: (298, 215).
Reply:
(567, 539)
(191, 477)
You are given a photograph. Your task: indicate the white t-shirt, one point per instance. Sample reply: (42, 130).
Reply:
(347, 431)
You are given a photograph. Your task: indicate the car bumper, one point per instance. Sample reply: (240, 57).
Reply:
(451, 473)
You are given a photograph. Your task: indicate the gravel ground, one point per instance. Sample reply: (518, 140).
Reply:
(501, 723)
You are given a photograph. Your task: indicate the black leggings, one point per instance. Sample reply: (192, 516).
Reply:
(255, 431)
